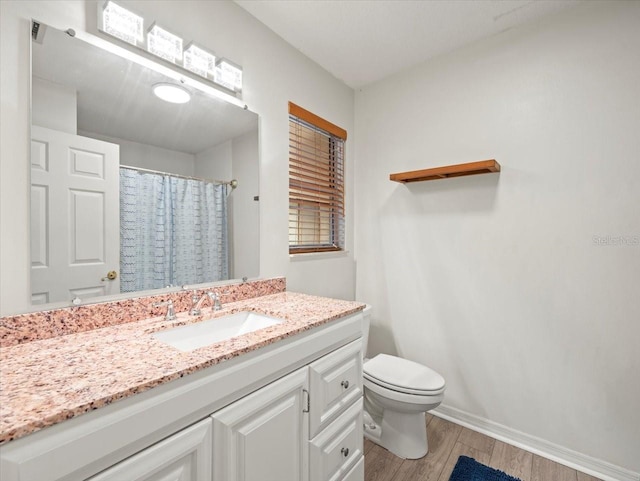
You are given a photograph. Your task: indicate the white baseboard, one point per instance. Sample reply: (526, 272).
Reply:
(581, 462)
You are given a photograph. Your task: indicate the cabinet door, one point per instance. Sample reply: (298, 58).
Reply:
(264, 436)
(335, 383)
(185, 456)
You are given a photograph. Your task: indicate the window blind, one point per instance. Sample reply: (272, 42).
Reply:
(316, 183)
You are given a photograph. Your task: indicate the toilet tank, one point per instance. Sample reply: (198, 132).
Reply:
(366, 323)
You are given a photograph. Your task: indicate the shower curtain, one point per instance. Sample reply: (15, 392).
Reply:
(173, 231)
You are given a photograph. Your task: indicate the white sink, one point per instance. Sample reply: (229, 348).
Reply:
(200, 334)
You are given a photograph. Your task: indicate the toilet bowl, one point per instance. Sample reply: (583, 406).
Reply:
(397, 394)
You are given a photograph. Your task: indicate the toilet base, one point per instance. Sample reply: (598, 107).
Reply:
(403, 434)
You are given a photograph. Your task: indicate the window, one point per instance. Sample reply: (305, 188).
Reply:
(316, 183)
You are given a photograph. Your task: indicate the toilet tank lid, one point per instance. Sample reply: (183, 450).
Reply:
(403, 373)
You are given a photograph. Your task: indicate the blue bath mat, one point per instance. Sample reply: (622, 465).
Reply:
(468, 469)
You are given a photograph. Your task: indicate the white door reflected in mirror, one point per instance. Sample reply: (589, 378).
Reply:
(74, 216)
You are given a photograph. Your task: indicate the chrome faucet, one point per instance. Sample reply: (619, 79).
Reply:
(171, 313)
(196, 302)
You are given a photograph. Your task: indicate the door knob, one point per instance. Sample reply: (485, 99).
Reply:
(345, 384)
(111, 275)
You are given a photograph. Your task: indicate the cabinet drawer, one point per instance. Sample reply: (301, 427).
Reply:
(357, 473)
(335, 383)
(337, 449)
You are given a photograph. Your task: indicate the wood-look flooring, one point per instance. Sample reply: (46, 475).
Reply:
(447, 441)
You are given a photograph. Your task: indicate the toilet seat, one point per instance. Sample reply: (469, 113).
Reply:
(403, 397)
(403, 376)
(390, 387)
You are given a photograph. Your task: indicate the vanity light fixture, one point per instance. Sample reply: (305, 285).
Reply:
(171, 93)
(228, 75)
(199, 61)
(122, 23)
(164, 44)
(127, 26)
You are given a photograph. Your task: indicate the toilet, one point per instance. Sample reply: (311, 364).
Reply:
(397, 394)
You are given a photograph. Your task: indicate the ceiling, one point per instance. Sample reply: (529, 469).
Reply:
(363, 41)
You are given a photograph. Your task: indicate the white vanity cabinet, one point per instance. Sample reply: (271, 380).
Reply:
(304, 426)
(185, 456)
(290, 411)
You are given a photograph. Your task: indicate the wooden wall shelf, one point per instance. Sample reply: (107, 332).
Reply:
(458, 170)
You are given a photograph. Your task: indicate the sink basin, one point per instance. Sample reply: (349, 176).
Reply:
(200, 334)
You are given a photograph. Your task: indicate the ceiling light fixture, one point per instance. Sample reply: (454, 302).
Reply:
(122, 23)
(164, 44)
(173, 93)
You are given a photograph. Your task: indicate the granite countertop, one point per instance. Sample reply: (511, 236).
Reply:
(46, 381)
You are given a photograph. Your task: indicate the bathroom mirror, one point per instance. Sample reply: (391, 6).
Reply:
(172, 216)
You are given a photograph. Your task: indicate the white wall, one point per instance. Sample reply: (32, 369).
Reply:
(55, 106)
(496, 281)
(215, 162)
(246, 211)
(146, 156)
(268, 85)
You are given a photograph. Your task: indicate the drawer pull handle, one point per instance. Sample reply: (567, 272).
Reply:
(345, 384)
(345, 452)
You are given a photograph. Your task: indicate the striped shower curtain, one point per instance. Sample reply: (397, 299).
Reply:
(173, 231)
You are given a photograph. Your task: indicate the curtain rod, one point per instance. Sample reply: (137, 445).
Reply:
(233, 183)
